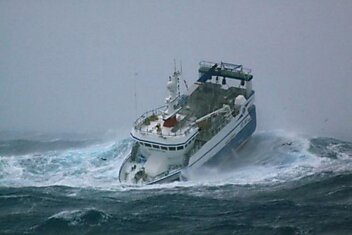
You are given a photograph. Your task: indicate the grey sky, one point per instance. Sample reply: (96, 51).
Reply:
(71, 65)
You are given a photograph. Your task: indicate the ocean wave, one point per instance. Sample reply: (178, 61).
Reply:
(25, 146)
(69, 219)
(271, 158)
(89, 216)
(93, 166)
(268, 158)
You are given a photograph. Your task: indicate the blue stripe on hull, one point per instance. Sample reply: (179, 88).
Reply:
(242, 136)
(235, 142)
(174, 177)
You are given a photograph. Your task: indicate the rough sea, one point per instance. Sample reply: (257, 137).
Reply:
(278, 183)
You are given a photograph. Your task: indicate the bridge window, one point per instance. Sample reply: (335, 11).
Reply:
(172, 148)
(147, 145)
(163, 148)
(156, 146)
(179, 147)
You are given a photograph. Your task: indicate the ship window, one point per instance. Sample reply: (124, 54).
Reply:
(179, 147)
(156, 146)
(147, 145)
(172, 148)
(163, 148)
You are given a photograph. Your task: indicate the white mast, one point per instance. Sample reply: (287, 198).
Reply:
(174, 92)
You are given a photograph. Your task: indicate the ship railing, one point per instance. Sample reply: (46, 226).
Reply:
(183, 132)
(226, 66)
(141, 119)
(158, 111)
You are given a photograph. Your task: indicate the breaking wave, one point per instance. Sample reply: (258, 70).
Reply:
(277, 183)
(73, 219)
(93, 166)
(267, 158)
(273, 158)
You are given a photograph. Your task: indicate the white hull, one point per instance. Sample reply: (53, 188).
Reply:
(224, 140)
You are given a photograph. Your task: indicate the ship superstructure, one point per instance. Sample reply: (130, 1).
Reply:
(213, 117)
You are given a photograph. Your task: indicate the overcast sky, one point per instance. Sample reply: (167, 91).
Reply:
(74, 66)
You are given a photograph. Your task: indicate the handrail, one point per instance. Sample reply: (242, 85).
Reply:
(146, 114)
(138, 123)
(227, 66)
(179, 133)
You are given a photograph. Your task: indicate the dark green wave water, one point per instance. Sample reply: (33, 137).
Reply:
(276, 184)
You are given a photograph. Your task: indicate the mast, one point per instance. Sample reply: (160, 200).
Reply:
(173, 85)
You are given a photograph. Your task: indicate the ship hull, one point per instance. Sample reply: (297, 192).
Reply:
(228, 139)
(174, 176)
(241, 137)
(237, 134)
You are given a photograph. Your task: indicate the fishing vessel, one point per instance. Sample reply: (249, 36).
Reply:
(213, 118)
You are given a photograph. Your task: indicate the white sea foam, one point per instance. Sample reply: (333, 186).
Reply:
(268, 158)
(76, 217)
(94, 166)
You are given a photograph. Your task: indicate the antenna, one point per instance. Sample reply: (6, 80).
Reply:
(135, 94)
(181, 66)
(184, 81)
(175, 65)
(179, 92)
